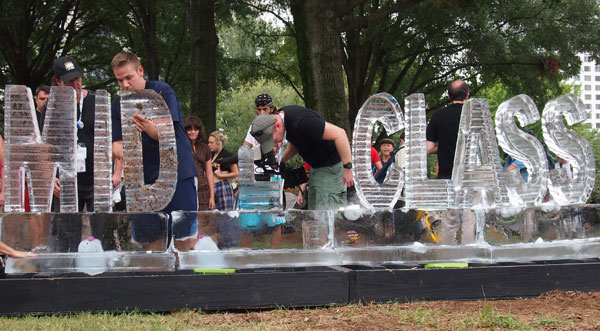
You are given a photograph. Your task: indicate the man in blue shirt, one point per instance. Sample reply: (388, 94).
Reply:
(130, 76)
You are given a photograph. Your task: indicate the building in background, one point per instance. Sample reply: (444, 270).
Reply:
(588, 83)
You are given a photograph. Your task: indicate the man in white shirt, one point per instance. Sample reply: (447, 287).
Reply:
(264, 105)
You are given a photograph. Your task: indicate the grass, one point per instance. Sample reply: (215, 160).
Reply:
(548, 322)
(358, 316)
(489, 317)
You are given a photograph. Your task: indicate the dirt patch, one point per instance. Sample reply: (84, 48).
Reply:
(551, 311)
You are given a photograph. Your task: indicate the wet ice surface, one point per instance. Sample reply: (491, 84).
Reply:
(125, 241)
(251, 237)
(384, 236)
(353, 236)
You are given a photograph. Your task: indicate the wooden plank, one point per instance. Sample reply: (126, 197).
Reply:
(491, 282)
(245, 290)
(288, 287)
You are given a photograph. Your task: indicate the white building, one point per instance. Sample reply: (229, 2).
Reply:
(588, 82)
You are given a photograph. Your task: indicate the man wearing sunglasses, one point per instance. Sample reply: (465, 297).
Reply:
(263, 105)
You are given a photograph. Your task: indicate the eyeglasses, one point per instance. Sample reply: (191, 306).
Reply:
(257, 134)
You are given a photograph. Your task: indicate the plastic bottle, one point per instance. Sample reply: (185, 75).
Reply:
(89, 263)
(90, 245)
(205, 243)
(207, 253)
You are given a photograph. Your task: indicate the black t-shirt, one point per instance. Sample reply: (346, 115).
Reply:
(86, 136)
(443, 130)
(38, 114)
(304, 128)
(224, 154)
(85, 180)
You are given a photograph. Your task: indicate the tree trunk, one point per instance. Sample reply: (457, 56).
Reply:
(148, 17)
(303, 53)
(323, 35)
(201, 20)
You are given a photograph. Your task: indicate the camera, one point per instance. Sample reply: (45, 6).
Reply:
(292, 176)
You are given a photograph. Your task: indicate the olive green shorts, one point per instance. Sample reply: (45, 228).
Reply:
(326, 190)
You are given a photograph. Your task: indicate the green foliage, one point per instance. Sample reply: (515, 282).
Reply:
(593, 137)
(529, 46)
(235, 110)
(256, 49)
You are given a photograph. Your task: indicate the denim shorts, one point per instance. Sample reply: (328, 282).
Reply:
(147, 228)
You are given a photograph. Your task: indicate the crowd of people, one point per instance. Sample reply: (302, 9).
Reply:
(206, 171)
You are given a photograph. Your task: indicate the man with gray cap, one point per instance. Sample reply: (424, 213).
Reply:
(321, 144)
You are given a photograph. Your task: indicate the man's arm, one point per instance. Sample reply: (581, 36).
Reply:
(338, 135)
(248, 140)
(144, 124)
(378, 166)
(432, 148)
(516, 164)
(289, 152)
(117, 150)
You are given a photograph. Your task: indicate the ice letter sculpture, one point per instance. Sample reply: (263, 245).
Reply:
(523, 147)
(39, 156)
(384, 108)
(256, 194)
(102, 153)
(571, 147)
(477, 174)
(140, 196)
(421, 193)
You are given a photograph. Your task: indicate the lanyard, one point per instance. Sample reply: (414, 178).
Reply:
(79, 121)
(280, 149)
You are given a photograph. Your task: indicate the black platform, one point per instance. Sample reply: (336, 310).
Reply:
(288, 287)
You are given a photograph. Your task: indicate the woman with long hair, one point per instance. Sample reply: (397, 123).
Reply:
(222, 172)
(202, 158)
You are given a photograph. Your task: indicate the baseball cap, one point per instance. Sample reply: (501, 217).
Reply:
(262, 130)
(66, 68)
(387, 141)
(263, 100)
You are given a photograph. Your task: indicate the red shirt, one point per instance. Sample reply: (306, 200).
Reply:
(374, 156)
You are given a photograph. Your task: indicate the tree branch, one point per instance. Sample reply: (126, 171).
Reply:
(377, 16)
(289, 25)
(283, 74)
